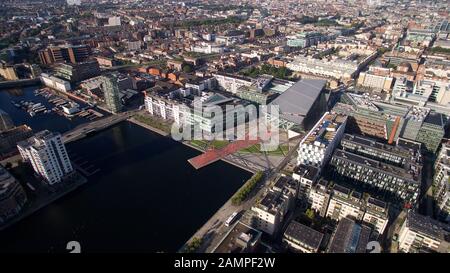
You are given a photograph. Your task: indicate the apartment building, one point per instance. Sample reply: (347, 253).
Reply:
(302, 238)
(319, 197)
(269, 213)
(318, 145)
(345, 202)
(48, 156)
(306, 175)
(187, 106)
(376, 214)
(231, 83)
(402, 183)
(441, 186)
(422, 233)
(349, 237)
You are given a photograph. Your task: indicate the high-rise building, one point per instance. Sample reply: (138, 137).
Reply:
(111, 90)
(5, 121)
(48, 156)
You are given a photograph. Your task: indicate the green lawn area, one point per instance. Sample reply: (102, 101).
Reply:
(282, 150)
(203, 144)
(255, 149)
(154, 122)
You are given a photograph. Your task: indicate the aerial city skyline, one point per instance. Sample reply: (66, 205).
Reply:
(209, 126)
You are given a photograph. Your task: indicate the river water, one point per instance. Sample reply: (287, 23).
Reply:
(145, 198)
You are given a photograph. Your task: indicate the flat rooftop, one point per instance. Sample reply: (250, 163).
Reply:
(303, 234)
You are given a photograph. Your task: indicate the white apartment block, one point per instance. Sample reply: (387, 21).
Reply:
(335, 69)
(231, 83)
(420, 232)
(174, 106)
(376, 214)
(306, 176)
(269, 213)
(48, 156)
(377, 82)
(319, 197)
(318, 145)
(345, 203)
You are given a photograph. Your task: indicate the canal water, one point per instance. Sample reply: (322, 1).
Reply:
(145, 198)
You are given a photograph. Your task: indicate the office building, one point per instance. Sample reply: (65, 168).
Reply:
(114, 21)
(349, 237)
(111, 93)
(302, 238)
(375, 80)
(336, 69)
(422, 233)
(55, 83)
(8, 72)
(318, 145)
(65, 53)
(78, 72)
(392, 121)
(301, 105)
(441, 182)
(305, 39)
(48, 156)
(12, 196)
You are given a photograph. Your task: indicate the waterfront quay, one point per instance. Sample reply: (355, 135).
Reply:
(43, 195)
(95, 126)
